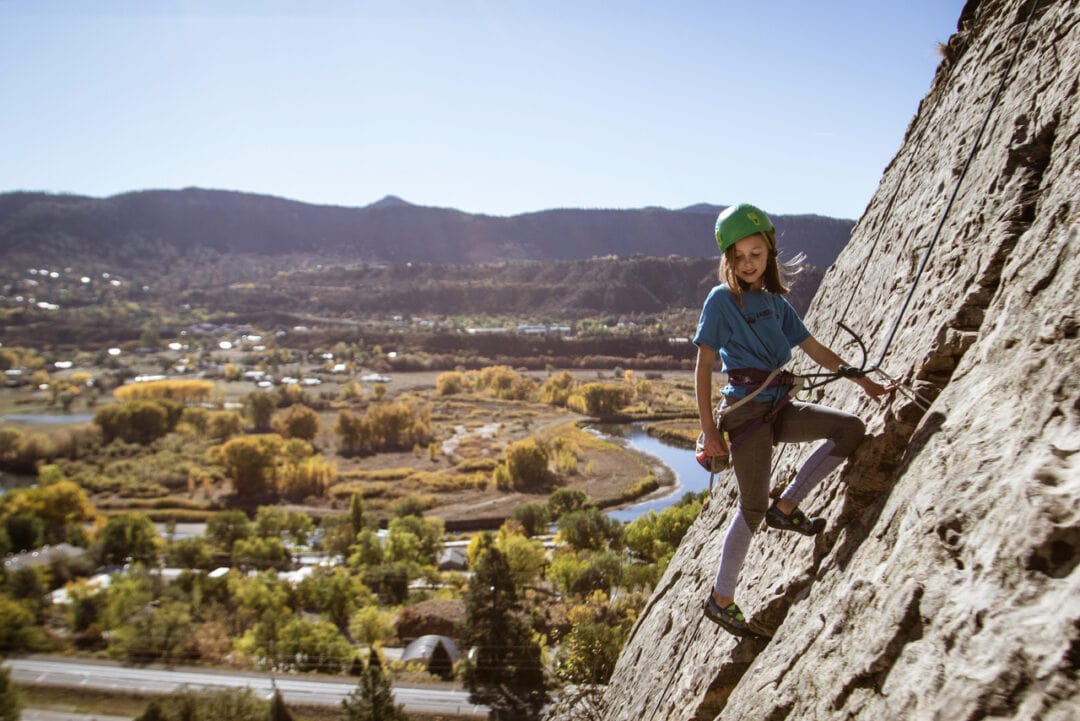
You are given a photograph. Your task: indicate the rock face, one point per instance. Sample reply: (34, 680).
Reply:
(946, 585)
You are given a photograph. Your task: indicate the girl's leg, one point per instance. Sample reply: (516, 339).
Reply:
(799, 422)
(752, 461)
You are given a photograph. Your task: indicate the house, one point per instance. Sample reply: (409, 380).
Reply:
(453, 559)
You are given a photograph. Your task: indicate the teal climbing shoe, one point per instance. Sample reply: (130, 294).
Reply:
(797, 521)
(730, 618)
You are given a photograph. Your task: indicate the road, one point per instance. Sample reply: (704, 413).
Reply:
(78, 673)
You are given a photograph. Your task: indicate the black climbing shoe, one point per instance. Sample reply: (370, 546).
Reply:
(797, 521)
(730, 618)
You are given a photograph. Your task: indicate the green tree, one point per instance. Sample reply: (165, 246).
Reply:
(278, 710)
(25, 531)
(153, 633)
(261, 553)
(129, 536)
(226, 528)
(504, 668)
(653, 537)
(207, 705)
(603, 573)
(312, 646)
(367, 551)
(598, 631)
(337, 594)
(127, 594)
(371, 625)
(566, 500)
(11, 703)
(276, 522)
(590, 529)
(192, 553)
(60, 505)
(250, 462)
(356, 513)
(525, 556)
(390, 581)
(17, 629)
(427, 532)
(257, 597)
(534, 517)
(372, 699)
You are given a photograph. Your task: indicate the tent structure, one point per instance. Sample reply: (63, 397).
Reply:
(439, 654)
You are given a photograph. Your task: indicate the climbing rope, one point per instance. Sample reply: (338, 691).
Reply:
(956, 187)
(876, 367)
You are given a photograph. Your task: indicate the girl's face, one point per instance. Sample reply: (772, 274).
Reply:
(749, 260)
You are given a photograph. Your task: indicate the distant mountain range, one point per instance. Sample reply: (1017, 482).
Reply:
(151, 227)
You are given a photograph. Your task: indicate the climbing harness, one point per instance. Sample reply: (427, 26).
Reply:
(748, 377)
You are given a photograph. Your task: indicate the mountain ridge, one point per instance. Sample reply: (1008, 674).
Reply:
(146, 225)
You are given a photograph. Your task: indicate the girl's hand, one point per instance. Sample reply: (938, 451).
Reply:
(873, 389)
(715, 446)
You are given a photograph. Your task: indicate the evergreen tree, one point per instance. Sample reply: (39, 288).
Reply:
(357, 668)
(372, 699)
(356, 514)
(504, 668)
(153, 712)
(10, 698)
(278, 711)
(441, 664)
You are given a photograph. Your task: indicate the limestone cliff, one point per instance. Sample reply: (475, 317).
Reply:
(946, 585)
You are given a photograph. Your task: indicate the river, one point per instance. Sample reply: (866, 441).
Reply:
(689, 476)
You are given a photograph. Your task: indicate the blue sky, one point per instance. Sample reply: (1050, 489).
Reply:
(497, 107)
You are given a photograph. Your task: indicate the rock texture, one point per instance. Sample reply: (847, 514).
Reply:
(946, 586)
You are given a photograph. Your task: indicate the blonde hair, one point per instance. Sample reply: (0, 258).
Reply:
(778, 273)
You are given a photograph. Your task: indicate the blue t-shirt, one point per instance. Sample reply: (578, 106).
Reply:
(760, 334)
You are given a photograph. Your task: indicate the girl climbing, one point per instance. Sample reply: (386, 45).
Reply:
(753, 328)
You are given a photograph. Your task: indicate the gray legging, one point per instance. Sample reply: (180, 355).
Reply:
(795, 423)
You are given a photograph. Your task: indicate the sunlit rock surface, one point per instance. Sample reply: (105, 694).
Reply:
(946, 586)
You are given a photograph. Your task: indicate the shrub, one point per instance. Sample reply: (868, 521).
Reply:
(384, 427)
(138, 421)
(526, 466)
(259, 407)
(556, 390)
(451, 383)
(600, 399)
(223, 425)
(181, 391)
(309, 477)
(250, 462)
(298, 421)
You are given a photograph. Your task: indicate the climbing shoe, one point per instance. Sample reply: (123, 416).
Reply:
(730, 618)
(797, 521)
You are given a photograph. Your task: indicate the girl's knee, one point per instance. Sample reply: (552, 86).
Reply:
(753, 517)
(850, 434)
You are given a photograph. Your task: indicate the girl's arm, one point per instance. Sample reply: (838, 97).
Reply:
(714, 440)
(824, 357)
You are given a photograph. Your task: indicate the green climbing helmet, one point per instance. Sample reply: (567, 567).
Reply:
(739, 221)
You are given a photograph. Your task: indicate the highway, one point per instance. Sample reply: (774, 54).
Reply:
(323, 691)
